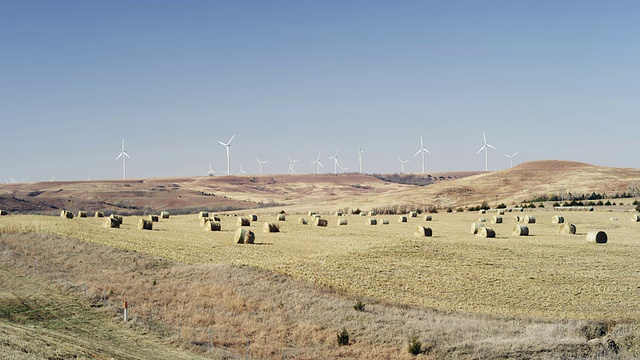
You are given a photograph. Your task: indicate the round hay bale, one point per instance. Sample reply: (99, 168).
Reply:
(321, 222)
(496, 220)
(402, 219)
(203, 214)
(422, 231)
(212, 225)
(557, 219)
(311, 213)
(282, 217)
(116, 217)
(315, 216)
(516, 218)
(635, 218)
(244, 236)
(384, 222)
(153, 218)
(216, 218)
(363, 214)
(243, 221)
(98, 214)
(302, 221)
(520, 230)
(500, 211)
(112, 223)
(428, 218)
(529, 219)
(164, 214)
(372, 213)
(614, 219)
(567, 229)
(145, 224)
(3, 213)
(82, 214)
(66, 214)
(270, 227)
(485, 232)
(253, 217)
(204, 221)
(338, 213)
(481, 220)
(475, 227)
(413, 214)
(599, 237)
(482, 211)
(342, 221)
(372, 222)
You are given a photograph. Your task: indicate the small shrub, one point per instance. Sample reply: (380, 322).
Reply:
(415, 346)
(608, 203)
(556, 204)
(459, 209)
(621, 203)
(343, 337)
(635, 202)
(485, 206)
(638, 208)
(501, 206)
(541, 205)
(359, 306)
(449, 210)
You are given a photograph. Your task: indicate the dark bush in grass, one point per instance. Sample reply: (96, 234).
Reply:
(343, 337)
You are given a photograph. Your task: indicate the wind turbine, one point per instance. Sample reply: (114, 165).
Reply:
(53, 178)
(423, 151)
(318, 163)
(360, 152)
(211, 172)
(486, 147)
(511, 157)
(124, 156)
(292, 163)
(241, 172)
(228, 145)
(343, 169)
(261, 163)
(402, 166)
(335, 160)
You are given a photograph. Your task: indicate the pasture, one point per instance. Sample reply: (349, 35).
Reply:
(544, 275)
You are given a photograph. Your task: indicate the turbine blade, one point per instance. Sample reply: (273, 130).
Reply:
(491, 146)
(427, 151)
(119, 156)
(484, 136)
(482, 148)
(230, 140)
(516, 153)
(221, 143)
(127, 155)
(419, 151)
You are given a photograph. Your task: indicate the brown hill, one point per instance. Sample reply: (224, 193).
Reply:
(322, 192)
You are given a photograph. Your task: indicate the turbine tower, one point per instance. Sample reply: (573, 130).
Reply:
(335, 160)
(511, 157)
(318, 163)
(241, 172)
(292, 163)
(228, 145)
(124, 156)
(360, 152)
(211, 172)
(486, 147)
(402, 166)
(261, 164)
(343, 169)
(423, 151)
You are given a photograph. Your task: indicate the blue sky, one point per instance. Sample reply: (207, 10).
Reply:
(554, 80)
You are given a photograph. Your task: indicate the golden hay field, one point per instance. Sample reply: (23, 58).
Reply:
(544, 275)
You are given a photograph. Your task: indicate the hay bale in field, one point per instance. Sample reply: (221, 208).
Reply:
(557, 219)
(338, 213)
(145, 224)
(475, 227)
(529, 219)
(153, 218)
(243, 221)
(422, 231)
(270, 227)
(203, 214)
(3, 213)
(321, 222)
(500, 211)
(520, 230)
(82, 214)
(282, 217)
(363, 214)
(599, 237)
(66, 214)
(428, 218)
(116, 217)
(567, 229)
(302, 221)
(112, 223)
(372, 222)
(244, 236)
(614, 219)
(253, 217)
(496, 220)
(212, 225)
(311, 213)
(384, 222)
(485, 232)
(98, 214)
(315, 216)
(635, 218)
(516, 218)
(164, 214)
(413, 214)
(482, 211)
(481, 220)
(402, 219)
(203, 221)
(372, 213)
(342, 221)
(216, 218)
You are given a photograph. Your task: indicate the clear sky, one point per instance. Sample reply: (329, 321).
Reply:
(551, 79)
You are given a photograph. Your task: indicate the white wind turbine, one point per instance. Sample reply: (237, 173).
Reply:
(360, 152)
(318, 163)
(511, 157)
(335, 160)
(402, 166)
(423, 151)
(211, 172)
(228, 145)
(54, 177)
(486, 147)
(343, 169)
(241, 172)
(261, 164)
(292, 163)
(124, 156)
